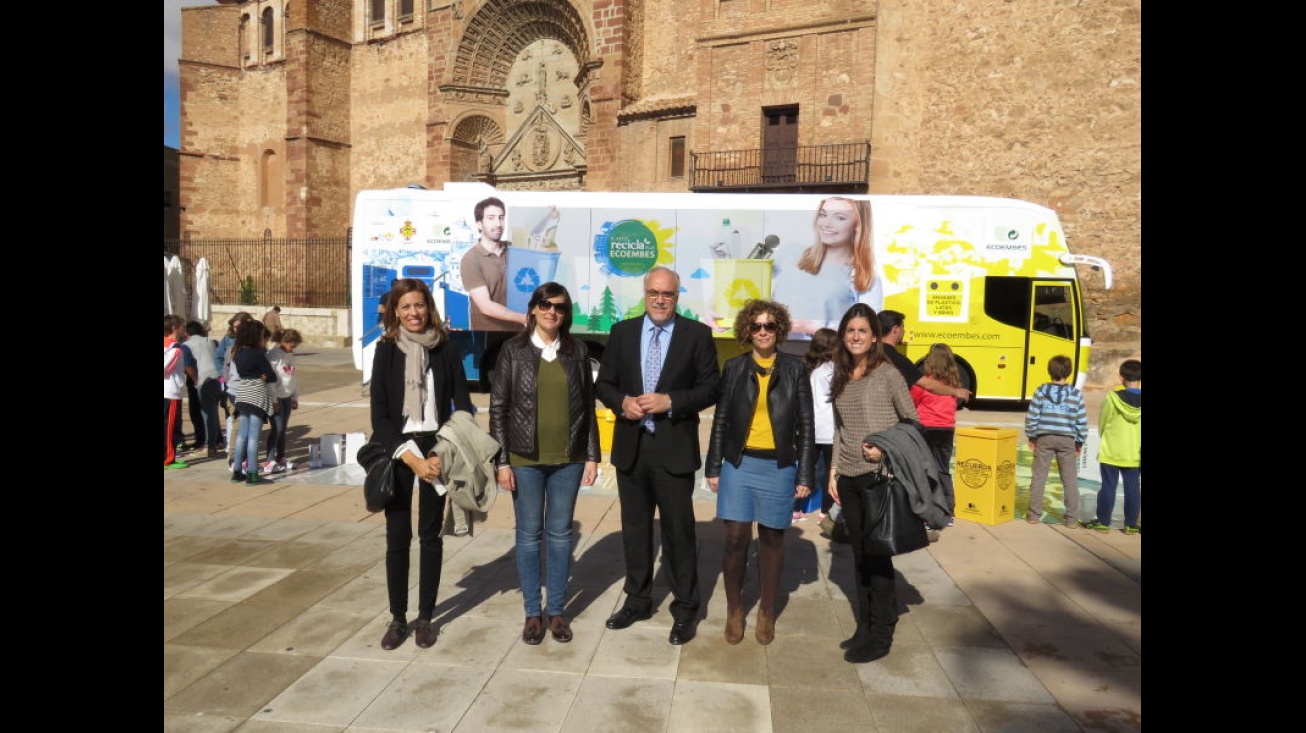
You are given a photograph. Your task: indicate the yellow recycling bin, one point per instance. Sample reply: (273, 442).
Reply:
(607, 419)
(984, 476)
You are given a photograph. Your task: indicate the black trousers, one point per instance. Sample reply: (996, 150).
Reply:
(877, 601)
(399, 537)
(647, 487)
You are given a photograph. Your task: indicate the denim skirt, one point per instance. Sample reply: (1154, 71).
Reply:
(757, 491)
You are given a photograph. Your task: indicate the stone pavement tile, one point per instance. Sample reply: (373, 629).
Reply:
(241, 685)
(334, 691)
(290, 555)
(183, 614)
(470, 641)
(236, 584)
(181, 576)
(425, 697)
(620, 704)
(708, 658)
(801, 710)
(910, 669)
(365, 551)
(303, 588)
(993, 716)
(270, 726)
(238, 626)
(284, 530)
(316, 632)
(638, 651)
(201, 723)
(808, 662)
(955, 626)
(919, 714)
(1087, 673)
(366, 592)
(520, 700)
(181, 524)
(177, 549)
(719, 706)
(990, 674)
(238, 551)
(182, 665)
(231, 527)
(810, 618)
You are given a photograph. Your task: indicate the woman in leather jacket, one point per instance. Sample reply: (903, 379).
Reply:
(542, 413)
(761, 455)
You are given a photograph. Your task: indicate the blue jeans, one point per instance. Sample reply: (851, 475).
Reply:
(545, 501)
(1106, 496)
(248, 427)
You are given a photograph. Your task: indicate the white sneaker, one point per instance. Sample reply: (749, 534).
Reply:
(273, 467)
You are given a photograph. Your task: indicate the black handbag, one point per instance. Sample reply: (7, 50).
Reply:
(895, 529)
(379, 486)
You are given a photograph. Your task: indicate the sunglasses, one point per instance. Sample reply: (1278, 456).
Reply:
(548, 305)
(772, 326)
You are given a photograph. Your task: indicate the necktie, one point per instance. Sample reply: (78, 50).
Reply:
(652, 369)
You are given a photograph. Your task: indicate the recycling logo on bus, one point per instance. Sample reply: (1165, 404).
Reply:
(527, 280)
(627, 248)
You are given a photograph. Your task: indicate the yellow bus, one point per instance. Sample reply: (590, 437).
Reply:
(991, 277)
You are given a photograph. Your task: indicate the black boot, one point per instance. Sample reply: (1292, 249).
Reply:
(882, 601)
(863, 618)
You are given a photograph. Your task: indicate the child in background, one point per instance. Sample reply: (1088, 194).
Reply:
(819, 361)
(253, 399)
(286, 392)
(1120, 452)
(174, 387)
(938, 414)
(1057, 427)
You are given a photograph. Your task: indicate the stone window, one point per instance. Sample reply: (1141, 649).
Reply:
(376, 16)
(267, 29)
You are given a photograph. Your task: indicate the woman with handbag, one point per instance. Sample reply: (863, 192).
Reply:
(542, 413)
(760, 457)
(417, 382)
(870, 395)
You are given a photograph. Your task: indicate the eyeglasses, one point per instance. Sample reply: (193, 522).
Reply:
(655, 294)
(548, 305)
(771, 326)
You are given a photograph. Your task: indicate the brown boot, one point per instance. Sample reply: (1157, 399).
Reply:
(765, 627)
(735, 626)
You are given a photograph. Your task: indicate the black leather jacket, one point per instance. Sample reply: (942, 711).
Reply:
(789, 403)
(513, 404)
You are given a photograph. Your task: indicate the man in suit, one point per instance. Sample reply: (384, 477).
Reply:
(655, 444)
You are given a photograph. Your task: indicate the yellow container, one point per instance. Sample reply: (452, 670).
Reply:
(984, 476)
(607, 419)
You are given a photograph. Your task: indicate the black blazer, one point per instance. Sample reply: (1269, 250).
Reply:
(689, 376)
(446, 364)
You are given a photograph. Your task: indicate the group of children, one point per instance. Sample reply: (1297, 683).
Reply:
(1056, 426)
(257, 380)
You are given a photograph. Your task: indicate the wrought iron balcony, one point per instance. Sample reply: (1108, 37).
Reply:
(843, 167)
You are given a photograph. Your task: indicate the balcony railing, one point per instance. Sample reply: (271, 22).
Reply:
(844, 166)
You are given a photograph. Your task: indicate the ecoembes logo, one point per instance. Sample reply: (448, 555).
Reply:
(628, 247)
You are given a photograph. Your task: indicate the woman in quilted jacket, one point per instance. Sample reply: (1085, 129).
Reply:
(542, 413)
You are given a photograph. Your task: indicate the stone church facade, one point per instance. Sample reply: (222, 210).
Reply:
(290, 107)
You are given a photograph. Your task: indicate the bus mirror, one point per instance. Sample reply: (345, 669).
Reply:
(1097, 263)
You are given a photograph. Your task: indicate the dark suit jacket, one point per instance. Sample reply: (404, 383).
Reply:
(445, 363)
(689, 376)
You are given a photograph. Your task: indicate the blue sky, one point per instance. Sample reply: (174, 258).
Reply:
(171, 50)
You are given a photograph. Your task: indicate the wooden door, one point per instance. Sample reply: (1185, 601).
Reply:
(779, 145)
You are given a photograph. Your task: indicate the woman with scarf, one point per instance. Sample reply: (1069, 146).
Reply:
(417, 381)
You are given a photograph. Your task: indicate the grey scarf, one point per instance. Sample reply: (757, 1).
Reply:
(415, 347)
